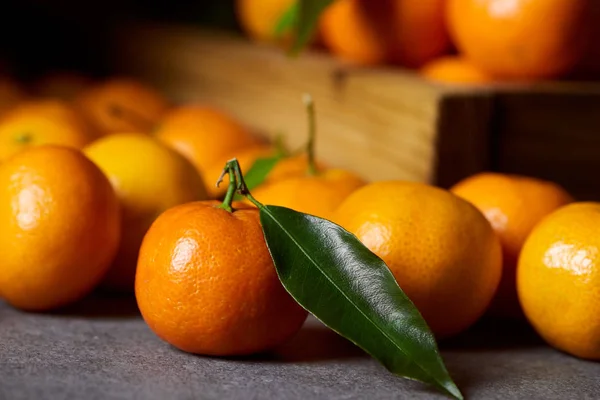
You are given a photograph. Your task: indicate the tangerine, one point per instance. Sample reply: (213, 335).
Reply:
(558, 279)
(440, 248)
(206, 282)
(60, 227)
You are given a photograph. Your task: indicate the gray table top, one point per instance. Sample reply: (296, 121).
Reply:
(102, 349)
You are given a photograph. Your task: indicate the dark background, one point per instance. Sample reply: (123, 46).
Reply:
(43, 35)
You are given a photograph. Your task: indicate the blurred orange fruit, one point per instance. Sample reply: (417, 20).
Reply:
(558, 279)
(514, 205)
(317, 195)
(61, 85)
(454, 69)
(441, 249)
(60, 227)
(406, 32)
(246, 158)
(206, 282)
(522, 39)
(148, 178)
(259, 18)
(293, 166)
(11, 94)
(38, 122)
(122, 105)
(204, 135)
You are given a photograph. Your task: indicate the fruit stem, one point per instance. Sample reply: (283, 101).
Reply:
(312, 132)
(23, 138)
(236, 184)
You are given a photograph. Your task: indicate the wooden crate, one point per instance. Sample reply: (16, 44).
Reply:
(381, 123)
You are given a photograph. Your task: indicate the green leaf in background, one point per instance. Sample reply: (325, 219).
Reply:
(352, 291)
(287, 21)
(302, 18)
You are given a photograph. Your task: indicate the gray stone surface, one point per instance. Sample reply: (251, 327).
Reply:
(101, 349)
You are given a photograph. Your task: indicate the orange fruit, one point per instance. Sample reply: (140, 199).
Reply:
(60, 227)
(148, 178)
(293, 166)
(317, 195)
(206, 282)
(204, 135)
(522, 39)
(454, 69)
(122, 105)
(558, 279)
(514, 205)
(441, 249)
(246, 158)
(38, 122)
(11, 94)
(406, 32)
(62, 85)
(259, 18)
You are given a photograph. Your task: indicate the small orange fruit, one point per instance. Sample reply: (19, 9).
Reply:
(259, 18)
(246, 158)
(122, 105)
(148, 178)
(558, 279)
(406, 32)
(38, 122)
(454, 69)
(61, 85)
(522, 39)
(11, 94)
(294, 166)
(203, 135)
(317, 195)
(514, 205)
(206, 282)
(60, 227)
(441, 249)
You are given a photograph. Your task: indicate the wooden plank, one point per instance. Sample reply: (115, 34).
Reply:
(380, 123)
(553, 135)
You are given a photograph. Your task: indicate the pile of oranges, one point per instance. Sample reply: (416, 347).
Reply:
(110, 186)
(453, 41)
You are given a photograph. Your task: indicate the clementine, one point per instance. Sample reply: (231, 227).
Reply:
(514, 205)
(454, 70)
(204, 135)
(38, 122)
(441, 249)
(122, 105)
(148, 178)
(522, 39)
(206, 282)
(317, 195)
(60, 227)
(558, 279)
(406, 32)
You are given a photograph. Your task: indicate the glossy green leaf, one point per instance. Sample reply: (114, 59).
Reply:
(351, 290)
(302, 18)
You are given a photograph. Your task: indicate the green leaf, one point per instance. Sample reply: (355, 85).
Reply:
(287, 21)
(351, 290)
(302, 18)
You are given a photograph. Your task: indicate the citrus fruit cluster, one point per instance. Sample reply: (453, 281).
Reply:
(452, 41)
(110, 185)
